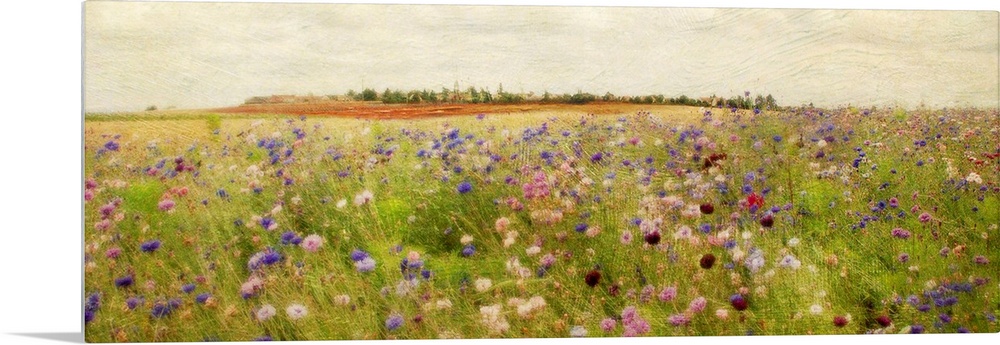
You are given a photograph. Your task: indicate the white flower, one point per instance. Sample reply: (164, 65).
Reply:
(296, 311)
(342, 300)
(816, 309)
(578, 331)
(266, 312)
(443, 303)
(341, 203)
(532, 250)
(483, 284)
(794, 241)
(364, 197)
(466, 239)
(974, 177)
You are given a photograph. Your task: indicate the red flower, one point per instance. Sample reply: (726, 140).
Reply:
(755, 199)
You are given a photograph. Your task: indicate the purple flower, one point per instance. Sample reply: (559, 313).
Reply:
(358, 255)
(290, 237)
(679, 320)
(468, 250)
(464, 187)
(133, 302)
(202, 297)
(111, 145)
(394, 321)
(608, 324)
(981, 260)
(150, 246)
(188, 288)
(124, 281)
(900, 233)
(916, 329)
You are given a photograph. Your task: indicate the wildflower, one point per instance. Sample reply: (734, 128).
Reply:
(668, 294)
(464, 187)
(980, 260)
(166, 205)
(268, 223)
(364, 197)
(592, 278)
(626, 237)
(707, 208)
(608, 324)
(202, 298)
(900, 233)
(358, 255)
(924, 217)
(483, 284)
(188, 288)
(296, 311)
(839, 321)
(468, 250)
(265, 312)
(767, 220)
(883, 320)
(679, 320)
(150, 246)
(697, 305)
(113, 253)
(789, 261)
(738, 302)
(652, 237)
(290, 237)
(312, 243)
(365, 265)
(342, 300)
(495, 322)
(707, 261)
(916, 329)
(578, 332)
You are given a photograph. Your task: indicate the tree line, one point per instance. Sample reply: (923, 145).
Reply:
(475, 95)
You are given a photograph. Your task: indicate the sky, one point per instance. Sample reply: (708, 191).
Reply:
(198, 55)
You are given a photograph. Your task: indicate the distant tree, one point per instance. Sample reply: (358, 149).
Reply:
(546, 97)
(369, 95)
(351, 94)
(445, 94)
(151, 108)
(474, 94)
(608, 97)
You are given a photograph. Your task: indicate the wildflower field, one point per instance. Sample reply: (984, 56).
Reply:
(669, 221)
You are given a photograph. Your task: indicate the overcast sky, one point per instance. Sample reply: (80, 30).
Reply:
(192, 55)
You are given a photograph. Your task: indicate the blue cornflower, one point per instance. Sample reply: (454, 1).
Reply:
(464, 187)
(202, 298)
(468, 250)
(124, 281)
(111, 146)
(133, 302)
(188, 288)
(290, 237)
(581, 227)
(358, 255)
(150, 246)
(394, 321)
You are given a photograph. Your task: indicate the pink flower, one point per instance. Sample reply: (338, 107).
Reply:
(608, 324)
(113, 253)
(698, 304)
(925, 217)
(311, 243)
(166, 205)
(103, 224)
(668, 294)
(501, 224)
(679, 320)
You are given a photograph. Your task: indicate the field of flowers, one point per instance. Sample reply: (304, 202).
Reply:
(676, 221)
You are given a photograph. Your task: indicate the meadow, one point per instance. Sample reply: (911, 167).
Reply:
(668, 221)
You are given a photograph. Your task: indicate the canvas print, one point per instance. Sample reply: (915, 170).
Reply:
(263, 171)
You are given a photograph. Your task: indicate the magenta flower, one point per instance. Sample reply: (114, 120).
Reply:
(311, 243)
(900, 233)
(924, 217)
(679, 320)
(698, 304)
(166, 205)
